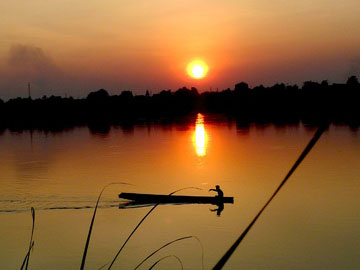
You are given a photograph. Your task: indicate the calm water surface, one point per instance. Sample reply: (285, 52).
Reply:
(313, 223)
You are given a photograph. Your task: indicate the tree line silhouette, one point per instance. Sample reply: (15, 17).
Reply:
(279, 104)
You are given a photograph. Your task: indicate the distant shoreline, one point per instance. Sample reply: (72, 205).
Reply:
(280, 104)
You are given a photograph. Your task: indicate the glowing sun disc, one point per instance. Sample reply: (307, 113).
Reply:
(197, 69)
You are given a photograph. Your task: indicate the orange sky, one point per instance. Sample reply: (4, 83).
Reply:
(78, 46)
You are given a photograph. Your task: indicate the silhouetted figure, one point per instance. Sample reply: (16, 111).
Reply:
(218, 190)
(220, 208)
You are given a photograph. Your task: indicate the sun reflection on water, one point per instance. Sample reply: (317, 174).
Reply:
(200, 137)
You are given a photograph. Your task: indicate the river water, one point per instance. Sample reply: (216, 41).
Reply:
(313, 223)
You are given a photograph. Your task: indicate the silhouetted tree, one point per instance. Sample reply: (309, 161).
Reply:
(279, 104)
(241, 87)
(352, 81)
(126, 95)
(325, 83)
(99, 95)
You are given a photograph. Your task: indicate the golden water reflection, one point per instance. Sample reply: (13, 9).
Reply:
(200, 137)
(69, 169)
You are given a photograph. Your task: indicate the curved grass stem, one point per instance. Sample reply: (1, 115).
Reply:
(169, 256)
(82, 266)
(141, 221)
(26, 260)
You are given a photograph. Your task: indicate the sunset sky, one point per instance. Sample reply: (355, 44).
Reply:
(74, 47)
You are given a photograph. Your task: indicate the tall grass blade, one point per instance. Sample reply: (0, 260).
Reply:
(167, 244)
(171, 242)
(24, 261)
(202, 252)
(312, 142)
(169, 256)
(102, 267)
(92, 223)
(26, 256)
(141, 221)
(31, 244)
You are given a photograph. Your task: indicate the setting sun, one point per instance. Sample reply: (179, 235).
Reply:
(197, 69)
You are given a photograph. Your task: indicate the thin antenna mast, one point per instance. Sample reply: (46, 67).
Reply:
(29, 91)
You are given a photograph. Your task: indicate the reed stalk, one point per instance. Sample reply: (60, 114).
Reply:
(169, 256)
(171, 242)
(82, 266)
(141, 221)
(31, 244)
(307, 149)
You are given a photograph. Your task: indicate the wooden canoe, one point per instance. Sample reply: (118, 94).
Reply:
(155, 198)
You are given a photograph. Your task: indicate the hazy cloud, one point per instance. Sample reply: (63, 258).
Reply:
(30, 57)
(28, 63)
(31, 62)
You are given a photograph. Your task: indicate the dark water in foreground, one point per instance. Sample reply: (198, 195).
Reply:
(312, 224)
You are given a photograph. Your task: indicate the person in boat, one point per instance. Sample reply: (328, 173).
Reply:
(218, 190)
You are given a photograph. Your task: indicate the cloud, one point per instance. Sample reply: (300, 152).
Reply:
(27, 56)
(25, 63)
(32, 63)
(28, 63)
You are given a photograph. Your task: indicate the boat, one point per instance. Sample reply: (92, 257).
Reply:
(140, 198)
